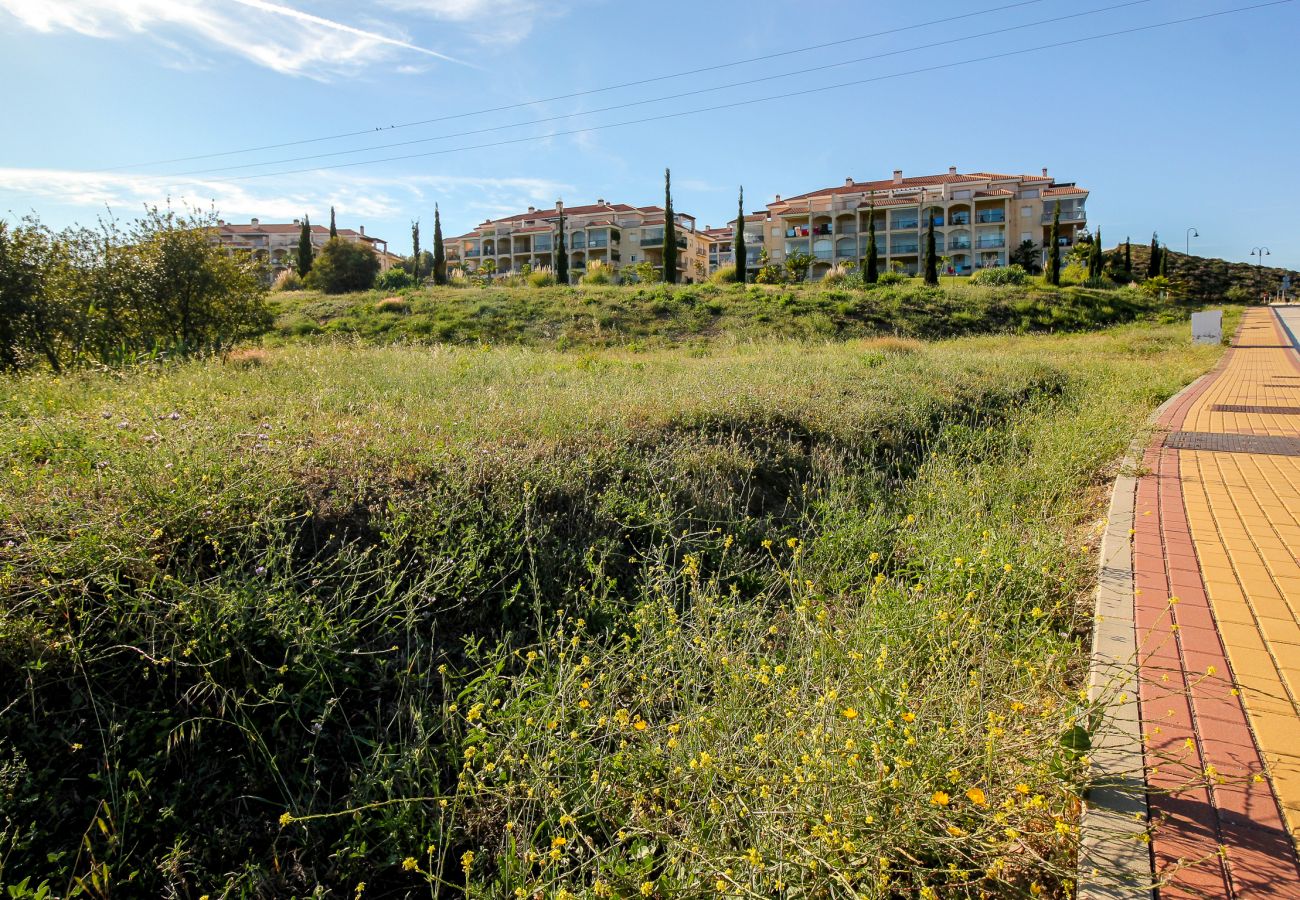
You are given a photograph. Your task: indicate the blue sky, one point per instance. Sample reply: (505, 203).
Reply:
(1188, 125)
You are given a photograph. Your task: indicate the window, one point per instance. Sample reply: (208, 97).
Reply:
(776, 232)
(961, 195)
(1026, 211)
(1029, 194)
(1025, 236)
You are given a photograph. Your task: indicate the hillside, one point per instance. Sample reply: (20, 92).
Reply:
(1215, 280)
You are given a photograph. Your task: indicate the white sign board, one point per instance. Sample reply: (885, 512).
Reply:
(1207, 327)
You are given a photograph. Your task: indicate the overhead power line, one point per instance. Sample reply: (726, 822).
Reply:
(678, 96)
(583, 93)
(800, 93)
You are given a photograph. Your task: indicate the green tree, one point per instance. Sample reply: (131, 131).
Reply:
(931, 257)
(561, 250)
(1028, 257)
(334, 229)
(871, 265)
(1164, 262)
(738, 249)
(1054, 250)
(304, 248)
(1153, 260)
(1094, 257)
(670, 231)
(798, 264)
(28, 258)
(415, 249)
(1128, 257)
(439, 251)
(344, 266)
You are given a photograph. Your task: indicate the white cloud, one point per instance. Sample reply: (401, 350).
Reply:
(488, 21)
(354, 196)
(270, 34)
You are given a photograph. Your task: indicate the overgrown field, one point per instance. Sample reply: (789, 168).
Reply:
(777, 619)
(656, 315)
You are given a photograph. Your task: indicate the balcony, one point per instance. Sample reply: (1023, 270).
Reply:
(648, 240)
(850, 253)
(597, 244)
(961, 218)
(993, 217)
(821, 229)
(1067, 215)
(991, 243)
(822, 254)
(905, 225)
(796, 232)
(897, 249)
(959, 244)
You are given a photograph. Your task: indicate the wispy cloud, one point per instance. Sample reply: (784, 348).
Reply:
(273, 35)
(355, 196)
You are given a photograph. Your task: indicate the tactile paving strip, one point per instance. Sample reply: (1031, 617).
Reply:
(1269, 445)
(1266, 410)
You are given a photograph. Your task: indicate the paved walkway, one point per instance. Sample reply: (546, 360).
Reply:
(1216, 604)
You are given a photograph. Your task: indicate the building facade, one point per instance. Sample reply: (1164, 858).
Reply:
(276, 243)
(613, 234)
(722, 243)
(980, 218)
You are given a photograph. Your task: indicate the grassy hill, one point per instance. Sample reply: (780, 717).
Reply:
(1216, 280)
(658, 315)
(772, 618)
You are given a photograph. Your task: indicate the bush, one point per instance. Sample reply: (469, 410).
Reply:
(344, 266)
(287, 280)
(541, 277)
(1001, 275)
(891, 278)
(394, 280)
(597, 273)
(724, 275)
(393, 305)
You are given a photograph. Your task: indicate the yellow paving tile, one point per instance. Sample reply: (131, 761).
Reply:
(1244, 514)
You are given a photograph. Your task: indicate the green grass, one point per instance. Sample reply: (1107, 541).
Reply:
(608, 621)
(656, 315)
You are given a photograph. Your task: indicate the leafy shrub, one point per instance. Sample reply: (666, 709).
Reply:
(888, 278)
(597, 273)
(287, 280)
(394, 279)
(839, 274)
(1001, 275)
(343, 266)
(724, 275)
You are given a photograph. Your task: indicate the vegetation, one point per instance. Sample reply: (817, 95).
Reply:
(395, 279)
(1027, 257)
(775, 620)
(670, 232)
(344, 266)
(1153, 257)
(1207, 280)
(598, 314)
(415, 248)
(1054, 254)
(562, 252)
(931, 256)
(334, 229)
(160, 286)
(305, 251)
(440, 252)
(871, 265)
(738, 248)
(1001, 275)
(797, 265)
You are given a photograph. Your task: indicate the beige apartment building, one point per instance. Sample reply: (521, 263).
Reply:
(979, 219)
(613, 234)
(276, 243)
(722, 242)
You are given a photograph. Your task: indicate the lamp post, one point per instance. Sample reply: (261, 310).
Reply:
(1187, 246)
(1260, 253)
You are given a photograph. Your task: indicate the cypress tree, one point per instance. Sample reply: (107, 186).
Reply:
(871, 265)
(931, 258)
(670, 231)
(1128, 257)
(1164, 262)
(415, 248)
(562, 251)
(334, 229)
(1094, 257)
(1054, 259)
(739, 248)
(439, 252)
(1153, 262)
(304, 248)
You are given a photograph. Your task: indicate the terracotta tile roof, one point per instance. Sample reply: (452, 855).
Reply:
(290, 228)
(533, 229)
(1058, 191)
(1000, 192)
(888, 184)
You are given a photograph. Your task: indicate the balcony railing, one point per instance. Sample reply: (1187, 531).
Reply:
(653, 241)
(959, 244)
(959, 219)
(991, 243)
(904, 248)
(597, 244)
(904, 225)
(989, 218)
(850, 253)
(822, 254)
(1067, 215)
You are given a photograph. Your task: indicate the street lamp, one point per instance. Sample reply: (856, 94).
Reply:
(1261, 252)
(1187, 246)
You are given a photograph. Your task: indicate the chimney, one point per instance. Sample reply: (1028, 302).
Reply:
(297, 221)
(1044, 171)
(221, 221)
(363, 231)
(848, 182)
(898, 176)
(600, 202)
(778, 199)
(255, 223)
(559, 205)
(532, 209)
(952, 170)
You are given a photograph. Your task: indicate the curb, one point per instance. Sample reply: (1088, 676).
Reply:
(1115, 853)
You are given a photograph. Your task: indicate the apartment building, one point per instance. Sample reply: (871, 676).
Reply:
(276, 243)
(979, 219)
(722, 242)
(613, 234)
